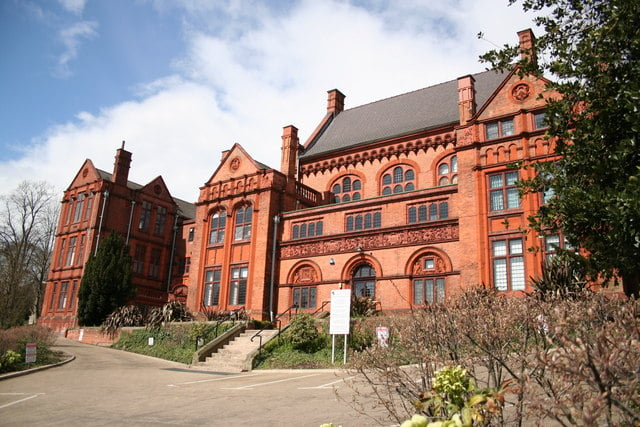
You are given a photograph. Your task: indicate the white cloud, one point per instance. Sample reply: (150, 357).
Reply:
(244, 85)
(73, 6)
(71, 37)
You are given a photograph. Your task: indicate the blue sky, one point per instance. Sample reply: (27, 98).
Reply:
(182, 80)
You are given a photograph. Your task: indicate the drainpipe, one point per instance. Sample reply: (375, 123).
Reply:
(173, 247)
(104, 202)
(133, 205)
(276, 221)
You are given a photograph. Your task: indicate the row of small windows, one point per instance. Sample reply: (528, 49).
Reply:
(427, 212)
(307, 229)
(80, 208)
(401, 179)
(242, 227)
(363, 221)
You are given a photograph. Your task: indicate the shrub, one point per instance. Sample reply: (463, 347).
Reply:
(128, 315)
(173, 311)
(303, 334)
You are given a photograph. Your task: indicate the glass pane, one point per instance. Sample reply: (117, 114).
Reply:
(377, 220)
(248, 214)
(444, 210)
(319, 228)
(495, 181)
(296, 231)
(312, 229)
(349, 223)
(303, 231)
(356, 196)
(517, 273)
(497, 203)
(409, 175)
(312, 297)
(443, 169)
(367, 221)
(346, 184)
(500, 274)
(440, 290)
(418, 292)
(397, 189)
(454, 164)
(422, 213)
(411, 215)
(296, 297)
(357, 185)
(409, 187)
(444, 181)
(336, 189)
(552, 243)
(513, 198)
(515, 247)
(397, 175)
(429, 290)
(511, 178)
(386, 179)
(433, 212)
(386, 191)
(499, 248)
(507, 128)
(358, 222)
(346, 198)
(492, 130)
(539, 121)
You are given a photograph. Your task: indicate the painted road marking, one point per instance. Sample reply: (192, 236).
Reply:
(19, 400)
(211, 380)
(251, 386)
(327, 385)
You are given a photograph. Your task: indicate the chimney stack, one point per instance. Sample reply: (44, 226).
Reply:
(466, 98)
(290, 144)
(527, 45)
(121, 166)
(335, 102)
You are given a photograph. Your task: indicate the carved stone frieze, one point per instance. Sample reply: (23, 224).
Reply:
(416, 235)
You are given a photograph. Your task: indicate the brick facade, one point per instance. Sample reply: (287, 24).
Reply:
(408, 199)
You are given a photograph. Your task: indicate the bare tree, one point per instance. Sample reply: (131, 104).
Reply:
(28, 217)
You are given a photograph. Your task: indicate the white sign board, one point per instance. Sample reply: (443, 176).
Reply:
(30, 353)
(340, 312)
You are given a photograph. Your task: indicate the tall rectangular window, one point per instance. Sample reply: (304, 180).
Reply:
(83, 239)
(244, 217)
(71, 252)
(77, 214)
(87, 211)
(217, 226)
(161, 219)
(61, 253)
(508, 264)
(52, 301)
(138, 259)
(145, 216)
(503, 193)
(539, 121)
(154, 263)
(72, 295)
(211, 288)
(238, 285)
(62, 297)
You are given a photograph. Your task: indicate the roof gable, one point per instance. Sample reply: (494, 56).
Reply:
(235, 162)
(87, 174)
(404, 114)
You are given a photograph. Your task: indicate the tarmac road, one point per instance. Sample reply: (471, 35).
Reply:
(103, 386)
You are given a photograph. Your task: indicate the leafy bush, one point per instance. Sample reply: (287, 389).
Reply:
(303, 334)
(560, 277)
(9, 360)
(363, 306)
(13, 341)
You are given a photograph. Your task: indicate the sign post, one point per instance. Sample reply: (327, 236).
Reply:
(340, 319)
(30, 353)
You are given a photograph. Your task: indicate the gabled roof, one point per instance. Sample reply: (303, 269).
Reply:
(187, 210)
(404, 114)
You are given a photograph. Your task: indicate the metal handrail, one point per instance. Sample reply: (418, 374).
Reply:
(277, 321)
(321, 308)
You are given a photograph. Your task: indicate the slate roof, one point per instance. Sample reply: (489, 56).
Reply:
(188, 210)
(404, 114)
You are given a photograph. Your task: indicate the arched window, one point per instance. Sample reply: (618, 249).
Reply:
(244, 217)
(448, 171)
(217, 226)
(397, 180)
(364, 281)
(347, 189)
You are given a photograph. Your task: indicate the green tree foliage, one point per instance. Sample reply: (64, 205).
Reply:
(28, 218)
(591, 50)
(106, 283)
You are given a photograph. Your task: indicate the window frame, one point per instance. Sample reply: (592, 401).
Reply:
(363, 283)
(353, 183)
(499, 129)
(243, 221)
(238, 285)
(211, 288)
(396, 179)
(304, 297)
(217, 227)
(511, 266)
(505, 190)
(423, 294)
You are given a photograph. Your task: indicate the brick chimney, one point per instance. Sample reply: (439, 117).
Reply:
(290, 144)
(121, 166)
(466, 98)
(335, 102)
(527, 45)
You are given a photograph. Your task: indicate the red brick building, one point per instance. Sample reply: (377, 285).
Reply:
(408, 200)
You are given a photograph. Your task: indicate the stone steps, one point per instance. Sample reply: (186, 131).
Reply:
(236, 355)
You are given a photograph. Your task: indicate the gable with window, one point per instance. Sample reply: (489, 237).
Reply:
(397, 180)
(347, 189)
